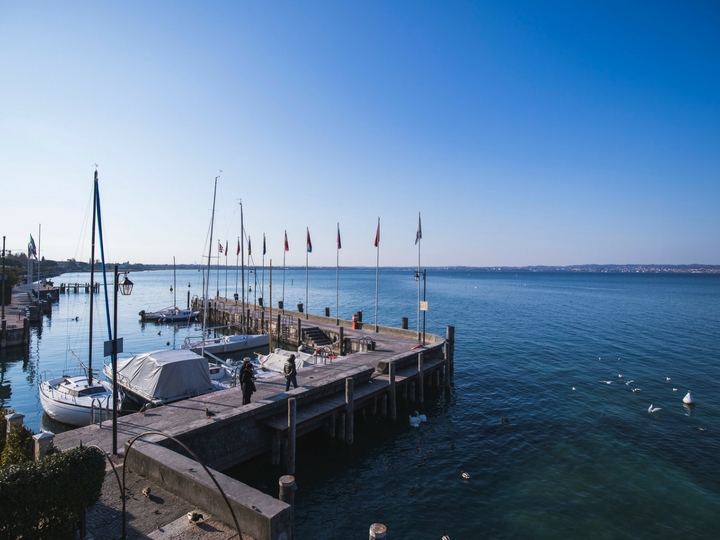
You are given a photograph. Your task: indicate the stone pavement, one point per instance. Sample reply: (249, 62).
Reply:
(161, 516)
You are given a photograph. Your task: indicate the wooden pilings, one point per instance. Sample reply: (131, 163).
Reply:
(349, 409)
(449, 354)
(292, 422)
(393, 396)
(377, 531)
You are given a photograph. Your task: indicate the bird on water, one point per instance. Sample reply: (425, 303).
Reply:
(466, 475)
(652, 409)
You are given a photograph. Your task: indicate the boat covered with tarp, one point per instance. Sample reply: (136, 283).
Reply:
(163, 376)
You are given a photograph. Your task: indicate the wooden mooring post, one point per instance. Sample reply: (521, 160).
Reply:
(377, 531)
(393, 396)
(292, 422)
(349, 409)
(449, 353)
(421, 378)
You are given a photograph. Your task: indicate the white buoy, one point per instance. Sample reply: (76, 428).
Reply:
(688, 399)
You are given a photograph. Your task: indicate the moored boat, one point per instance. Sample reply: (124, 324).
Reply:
(227, 344)
(163, 376)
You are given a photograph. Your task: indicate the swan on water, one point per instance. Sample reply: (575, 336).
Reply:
(414, 421)
(422, 417)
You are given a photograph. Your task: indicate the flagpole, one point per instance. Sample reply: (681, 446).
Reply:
(419, 240)
(337, 277)
(217, 273)
(307, 252)
(270, 321)
(242, 263)
(38, 255)
(226, 268)
(377, 271)
(285, 248)
(262, 287)
(237, 268)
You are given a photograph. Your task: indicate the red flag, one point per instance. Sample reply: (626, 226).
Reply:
(238, 251)
(338, 238)
(377, 235)
(220, 248)
(287, 246)
(226, 248)
(309, 243)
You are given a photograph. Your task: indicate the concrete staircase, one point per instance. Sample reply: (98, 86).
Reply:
(315, 337)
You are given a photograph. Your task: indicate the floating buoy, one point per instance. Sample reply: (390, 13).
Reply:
(688, 399)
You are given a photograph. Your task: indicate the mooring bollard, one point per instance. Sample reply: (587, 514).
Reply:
(287, 489)
(377, 531)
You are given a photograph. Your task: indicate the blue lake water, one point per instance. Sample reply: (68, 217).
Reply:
(591, 462)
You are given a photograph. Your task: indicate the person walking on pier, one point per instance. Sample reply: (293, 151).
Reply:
(290, 372)
(247, 384)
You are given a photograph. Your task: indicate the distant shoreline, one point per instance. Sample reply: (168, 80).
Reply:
(579, 268)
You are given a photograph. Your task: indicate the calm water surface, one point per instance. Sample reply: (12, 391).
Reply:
(590, 462)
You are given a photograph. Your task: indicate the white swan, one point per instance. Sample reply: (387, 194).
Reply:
(414, 421)
(422, 417)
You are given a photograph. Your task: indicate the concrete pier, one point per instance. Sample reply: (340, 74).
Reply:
(377, 365)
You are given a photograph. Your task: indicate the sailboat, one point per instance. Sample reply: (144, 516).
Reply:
(81, 400)
(223, 344)
(170, 314)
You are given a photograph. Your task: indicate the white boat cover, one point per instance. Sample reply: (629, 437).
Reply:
(275, 361)
(165, 375)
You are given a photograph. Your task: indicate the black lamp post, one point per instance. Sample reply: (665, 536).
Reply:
(125, 289)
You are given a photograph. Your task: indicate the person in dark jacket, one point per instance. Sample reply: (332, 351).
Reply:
(290, 372)
(247, 384)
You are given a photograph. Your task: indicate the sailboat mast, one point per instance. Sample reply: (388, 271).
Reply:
(242, 258)
(174, 285)
(92, 277)
(207, 281)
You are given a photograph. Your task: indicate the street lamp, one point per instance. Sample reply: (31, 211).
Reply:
(126, 287)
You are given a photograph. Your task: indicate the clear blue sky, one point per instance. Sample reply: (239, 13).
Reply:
(525, 132)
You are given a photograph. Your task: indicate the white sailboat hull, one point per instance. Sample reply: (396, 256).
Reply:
(228, 344)
(60, 405)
